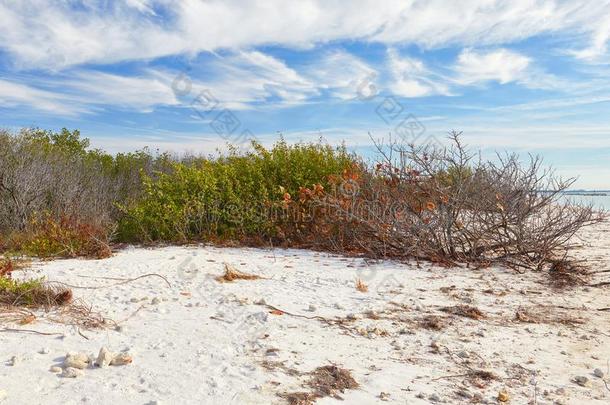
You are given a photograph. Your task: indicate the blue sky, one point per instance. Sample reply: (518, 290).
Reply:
(524, 75)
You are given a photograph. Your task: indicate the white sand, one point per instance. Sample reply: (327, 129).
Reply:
(208, 347)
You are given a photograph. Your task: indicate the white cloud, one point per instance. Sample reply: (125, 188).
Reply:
(411, 78)
(141, 93)
(241, 79)
(39, 33)
(599, 40)
(245, 79)
(500, 65)
(14, 94)
(342, 74)
(84, 91)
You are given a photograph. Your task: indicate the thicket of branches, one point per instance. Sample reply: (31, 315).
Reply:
(57, 196)
(448, 205)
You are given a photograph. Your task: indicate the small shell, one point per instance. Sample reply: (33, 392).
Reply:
(121, 359)
(55, 369)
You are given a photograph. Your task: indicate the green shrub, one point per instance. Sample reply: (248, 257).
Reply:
(231, 196)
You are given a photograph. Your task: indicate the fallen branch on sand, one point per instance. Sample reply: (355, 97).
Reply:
(123, 281)
(30, 331)
(330, 322)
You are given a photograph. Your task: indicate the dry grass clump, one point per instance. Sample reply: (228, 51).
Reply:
(481, 378)
(29, 293)
(231, 274)
(466, 311)
(361, 286)
(326, 381)
(299, 398)
(19, 297)
(6, 267)
(548, 315)
(32, 294)
(432, 322)
(329, 381)
(564, 273)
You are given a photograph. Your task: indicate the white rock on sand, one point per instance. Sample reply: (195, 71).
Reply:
(215, 353)
(76, 360)
(104, 357)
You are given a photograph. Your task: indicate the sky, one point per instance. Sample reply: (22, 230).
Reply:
(529, 76)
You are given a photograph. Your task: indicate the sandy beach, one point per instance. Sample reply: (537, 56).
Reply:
(412, 338)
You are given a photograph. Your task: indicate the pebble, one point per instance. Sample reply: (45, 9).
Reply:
(463, 354)
(503, 396)
(598, 373)
(56, 369)
(134, 299)
(261, 317)
(582, 381)
(339, 306)
(44, 350)
(155, 301)
(464, 394)
(70, 372)
(260, 302)
(14, 361)
(121, 359)
(384, 396)
(312, 308)
(434, 398)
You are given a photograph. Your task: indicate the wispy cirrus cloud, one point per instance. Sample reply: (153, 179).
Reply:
(16, 94)
(79, 91)
(409, 77)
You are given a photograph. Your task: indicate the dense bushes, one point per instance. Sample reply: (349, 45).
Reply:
(57, 195)
(59, 198)
(446, 205)
(233, 196)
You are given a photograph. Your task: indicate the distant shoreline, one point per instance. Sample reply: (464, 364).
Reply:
(591, 193)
